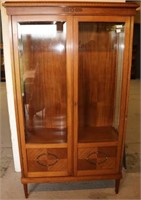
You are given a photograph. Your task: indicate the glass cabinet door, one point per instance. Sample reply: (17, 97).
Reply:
(43, 68)
(42, 58)
(99, 68)
(100, 60)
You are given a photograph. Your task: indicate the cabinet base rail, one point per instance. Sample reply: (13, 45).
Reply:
(26, 180)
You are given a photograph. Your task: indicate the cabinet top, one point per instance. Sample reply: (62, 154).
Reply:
(33, 3)
(15, 7)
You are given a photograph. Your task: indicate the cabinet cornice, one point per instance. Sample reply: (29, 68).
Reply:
(69, 3)
(67, 7)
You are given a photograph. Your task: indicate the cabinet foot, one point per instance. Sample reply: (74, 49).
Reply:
(117, 184)
(25, 190)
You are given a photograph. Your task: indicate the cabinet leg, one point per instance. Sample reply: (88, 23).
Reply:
(117, 184)
(25, 190)
(124, 159)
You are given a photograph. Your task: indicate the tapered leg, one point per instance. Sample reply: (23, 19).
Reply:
(117, 183)
(124, 159)
(25, 190)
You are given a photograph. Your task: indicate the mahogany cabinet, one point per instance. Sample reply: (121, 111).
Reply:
(71, 73)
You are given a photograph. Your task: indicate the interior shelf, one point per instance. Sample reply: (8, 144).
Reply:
(97, 134)
(46, 135)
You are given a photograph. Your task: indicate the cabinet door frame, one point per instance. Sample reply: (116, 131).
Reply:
(17, 87)
(124, 85)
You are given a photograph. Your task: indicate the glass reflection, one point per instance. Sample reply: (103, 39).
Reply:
(42, 50)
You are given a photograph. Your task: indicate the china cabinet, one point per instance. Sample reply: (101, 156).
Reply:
(71, 72)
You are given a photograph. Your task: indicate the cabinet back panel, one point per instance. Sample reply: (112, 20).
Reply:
(98, 54)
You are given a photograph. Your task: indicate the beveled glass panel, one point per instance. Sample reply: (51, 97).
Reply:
(100, 67)
(42, 57)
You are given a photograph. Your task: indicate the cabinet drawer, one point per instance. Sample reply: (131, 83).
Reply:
(97, 158)
(47, 160)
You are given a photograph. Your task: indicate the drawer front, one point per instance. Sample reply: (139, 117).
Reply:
(47, 160)
(97, 159)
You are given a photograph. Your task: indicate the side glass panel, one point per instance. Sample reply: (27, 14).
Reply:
(42, 57)
(100, 57)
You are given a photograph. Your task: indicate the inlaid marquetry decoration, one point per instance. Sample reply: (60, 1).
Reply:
(97, 158)
(47, 160)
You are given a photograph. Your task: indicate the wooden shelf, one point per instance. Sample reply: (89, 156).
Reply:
(97, 134)
(46, 136)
